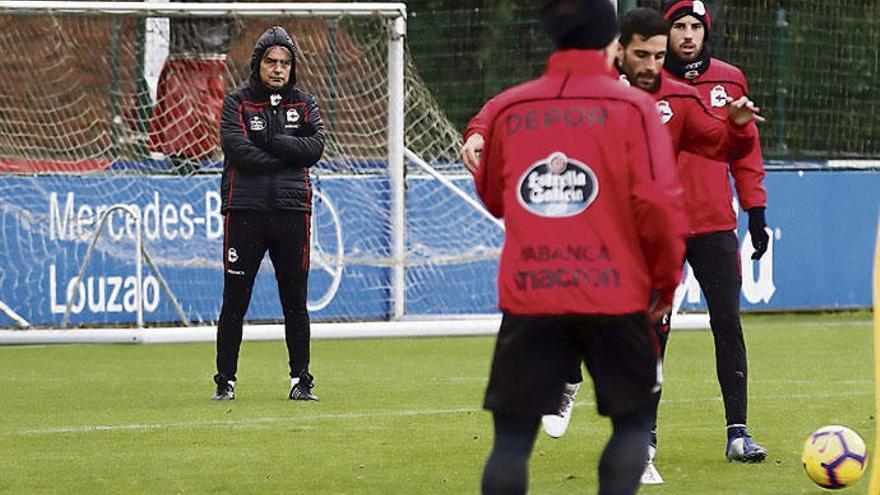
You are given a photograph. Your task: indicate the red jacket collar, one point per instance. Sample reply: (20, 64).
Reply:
(578, 61)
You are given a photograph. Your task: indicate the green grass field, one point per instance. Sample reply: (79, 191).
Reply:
(401, 416)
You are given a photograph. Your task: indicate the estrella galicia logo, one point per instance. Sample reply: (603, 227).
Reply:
(256, 123)
(557, 186)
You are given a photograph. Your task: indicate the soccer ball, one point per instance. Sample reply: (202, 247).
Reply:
(834, 457)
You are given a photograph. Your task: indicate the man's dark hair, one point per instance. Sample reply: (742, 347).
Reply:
(645, 22)
(580, 24)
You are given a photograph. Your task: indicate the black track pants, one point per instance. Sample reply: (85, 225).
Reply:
(715, 260)
(247, 237)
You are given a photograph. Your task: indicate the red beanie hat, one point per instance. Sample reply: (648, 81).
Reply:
(675, 10)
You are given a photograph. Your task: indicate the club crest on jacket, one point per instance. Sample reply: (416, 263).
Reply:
(718, 96)
(665, 110)
(292, 115)
(256, 123)
(557, 186)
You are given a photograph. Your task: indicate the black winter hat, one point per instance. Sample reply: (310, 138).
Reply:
(674, 10)
(274, 36)
(584, 24)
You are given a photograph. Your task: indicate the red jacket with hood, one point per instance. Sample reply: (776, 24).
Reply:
(582, 172)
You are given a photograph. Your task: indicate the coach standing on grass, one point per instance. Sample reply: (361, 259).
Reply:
(575, 162)
(271, 133)
(712, 244)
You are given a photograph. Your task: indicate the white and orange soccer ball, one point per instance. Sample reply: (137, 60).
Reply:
(834, 457)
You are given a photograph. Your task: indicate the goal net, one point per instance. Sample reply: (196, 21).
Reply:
(118, 103)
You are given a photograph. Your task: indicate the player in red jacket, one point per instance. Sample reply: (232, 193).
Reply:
(712, 246)
(582, 172)
(691, 126)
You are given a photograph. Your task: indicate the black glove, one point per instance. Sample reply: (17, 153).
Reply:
(757, 223)
(263, 137)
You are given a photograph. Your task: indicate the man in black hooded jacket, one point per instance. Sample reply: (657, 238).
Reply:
(271, 133)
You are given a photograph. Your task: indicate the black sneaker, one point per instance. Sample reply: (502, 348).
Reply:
(301, 387)
(225, 391)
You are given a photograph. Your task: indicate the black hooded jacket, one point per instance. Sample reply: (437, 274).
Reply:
(274, 174)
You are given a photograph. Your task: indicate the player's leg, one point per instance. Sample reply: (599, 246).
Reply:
(715, 260)
(529, 368)
(622, 356)
(507, 468)
(651, 476)
(624, 457)
(556, 424)
(243, 250)
(289, 251)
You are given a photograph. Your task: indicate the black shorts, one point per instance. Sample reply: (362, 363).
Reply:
(533, 356)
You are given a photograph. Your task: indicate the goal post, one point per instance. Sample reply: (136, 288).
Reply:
(393, 237)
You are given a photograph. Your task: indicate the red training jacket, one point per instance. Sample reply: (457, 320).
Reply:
(706, 180)
(582, 172)
(695, 129)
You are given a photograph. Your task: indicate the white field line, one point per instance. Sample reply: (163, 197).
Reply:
(243, 422)
(811, 382)
(828, 323)
(247, 422)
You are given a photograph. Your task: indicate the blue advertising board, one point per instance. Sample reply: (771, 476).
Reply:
(48, 224)
(823, 227)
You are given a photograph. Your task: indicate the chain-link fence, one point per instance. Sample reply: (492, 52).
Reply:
(813, 66)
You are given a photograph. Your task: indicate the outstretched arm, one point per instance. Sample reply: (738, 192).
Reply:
(717, 139)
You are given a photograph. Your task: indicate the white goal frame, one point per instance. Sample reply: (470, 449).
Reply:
(397, 158)
(394, 12)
